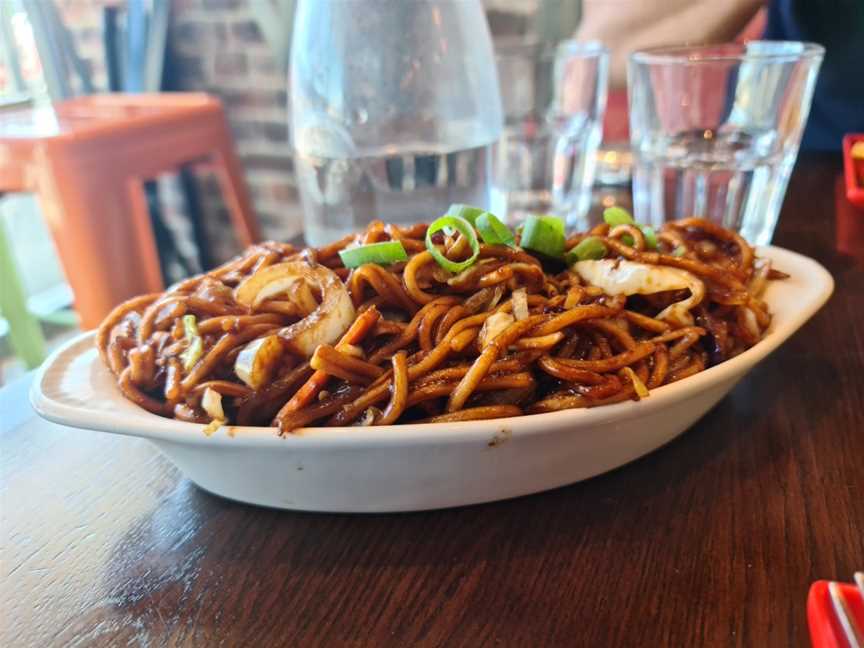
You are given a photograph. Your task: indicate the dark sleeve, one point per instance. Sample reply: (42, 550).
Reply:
(838, 25)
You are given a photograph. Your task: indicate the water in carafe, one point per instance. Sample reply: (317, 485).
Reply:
(394, 111)
(343, 194)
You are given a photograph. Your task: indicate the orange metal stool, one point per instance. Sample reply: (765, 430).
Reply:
(87, 158)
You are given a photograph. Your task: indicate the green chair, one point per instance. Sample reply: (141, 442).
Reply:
(25, 332)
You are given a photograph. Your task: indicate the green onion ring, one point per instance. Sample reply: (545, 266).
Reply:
(650, 236)
(493, 231)
(382, 253)
(544, 234)
(588, 248)
(614, 216)
(468, 212)
(465, 229)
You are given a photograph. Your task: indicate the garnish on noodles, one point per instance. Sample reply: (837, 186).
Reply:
(465, 319)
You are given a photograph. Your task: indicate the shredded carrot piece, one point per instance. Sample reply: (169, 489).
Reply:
(354, 335)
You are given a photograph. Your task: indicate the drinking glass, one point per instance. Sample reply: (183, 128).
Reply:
(394, 108)
(715, 131)
(554, 99)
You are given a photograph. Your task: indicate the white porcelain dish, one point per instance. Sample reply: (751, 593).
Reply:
(415, 467)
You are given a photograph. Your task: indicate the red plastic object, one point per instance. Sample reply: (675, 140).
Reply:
(825, 628)
(853, 170)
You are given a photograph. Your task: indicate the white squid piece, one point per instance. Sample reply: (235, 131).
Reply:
(622, 277)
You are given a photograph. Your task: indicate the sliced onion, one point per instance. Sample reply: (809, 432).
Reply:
(750, 323)
(496, 297)
(494, 324)
(638, 386)
(213, 426)
(520, 304)
(303, 297)
(275, 280)
(329, 319)
(368, 417)
(211, 403)
(479, 301)
(762, 268)
(258, 361)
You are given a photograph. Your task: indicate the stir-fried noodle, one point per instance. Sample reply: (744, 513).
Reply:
(293, 338)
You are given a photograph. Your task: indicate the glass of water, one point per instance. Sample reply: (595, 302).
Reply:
(715, 131)
(394, 109)
(554, 99)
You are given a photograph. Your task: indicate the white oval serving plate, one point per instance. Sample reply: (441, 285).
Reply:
(416, 467)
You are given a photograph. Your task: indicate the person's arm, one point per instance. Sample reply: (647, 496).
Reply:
(627, 25)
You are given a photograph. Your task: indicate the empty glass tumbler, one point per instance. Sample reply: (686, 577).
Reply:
(394, 107)
(715, 131)
(554, 100)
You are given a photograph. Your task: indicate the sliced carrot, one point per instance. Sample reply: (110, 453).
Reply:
(354, 335)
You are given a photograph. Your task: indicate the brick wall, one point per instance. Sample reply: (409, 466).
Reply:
(217, 47)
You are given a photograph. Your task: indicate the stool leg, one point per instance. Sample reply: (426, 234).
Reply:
(101, 226)
(147, 257)
(25, 334)
(196, 218)
(234, 189)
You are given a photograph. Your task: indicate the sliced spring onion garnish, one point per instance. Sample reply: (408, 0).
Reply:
(679, 251)
(195, 349)
(465, 229)
(588, 249)
(493, 231)
(468, 212)
(613, 216)
(381, 253)
(647, 232)
(650, 237)
(544, 234)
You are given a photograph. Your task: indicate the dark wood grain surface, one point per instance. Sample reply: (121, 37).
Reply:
(710, 541)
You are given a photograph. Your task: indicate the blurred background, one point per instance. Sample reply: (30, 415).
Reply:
(228, 48)
(238, 52)
(235, 49)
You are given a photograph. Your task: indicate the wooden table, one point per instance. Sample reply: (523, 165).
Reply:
(711, 541)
